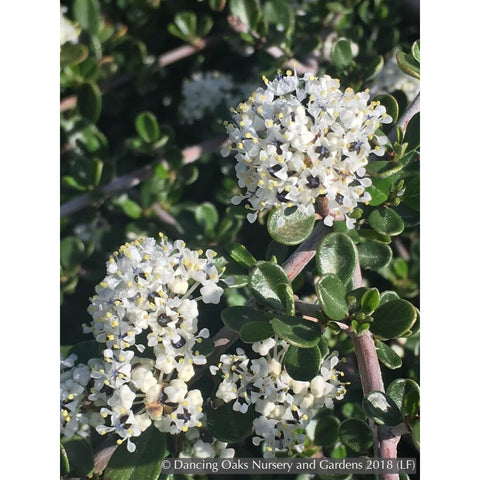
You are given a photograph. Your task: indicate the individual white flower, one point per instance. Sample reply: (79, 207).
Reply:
(392, 78)
(68, 32)
(300, 139)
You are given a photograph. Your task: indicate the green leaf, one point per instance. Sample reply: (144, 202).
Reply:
(393, 319)
(248, 11)
(79, 453)
(89, 101)
(408, 64)
(263, 280)
(297, 331)
(184, 26)
(227, 425)
(204, 25)
(356, 434)
(411, 195)
(206, 215)
(416, 50)
(72, 54)
(386, 221)
(373, 255)
(383, 168)
(147, 127)
(337, 254)
(217, 5)
(370, 300)
(130, 207)
(388, 296)
(73, 183)
(412, 135)
(257, 331)
(95, 171)
(241, 255)
(331, 294)
(144, 463)
(302, 363)
(342, 53)
(238, 316)
(285, 292)
(382, 409)
(405, 392)
(390, 103)
(296, 229)
(64, 463)
(416, 434)
(379, 190)
(279, 13)
(326, 430)
(71, 252)
(370, 234)
(387, 356)
(87, 14)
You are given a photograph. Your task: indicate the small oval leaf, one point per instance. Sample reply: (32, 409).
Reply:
(382, 409)
(331, 295)
(387, 356)
(356, 434)
(241, 255)
(291, 227)
(400, 389)
(228, 425)
(386, 221)
(326, 430)
(256, 332)
(147, 127)
(297, 331)
(393, 319)
(236, 317)
(302, 363)
(337, 254)
(89, 101)
(374, 255)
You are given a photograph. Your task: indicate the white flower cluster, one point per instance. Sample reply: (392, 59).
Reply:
(391, 78)
(302, 138)
(145, 319)
(198, 446)
(206, 91)
(68, 32)
(285, 406)
(73, 380)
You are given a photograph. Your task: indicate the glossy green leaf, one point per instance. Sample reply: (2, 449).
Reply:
(374, 255)
(89, 101)
(296, 228)
(286, 294)
(370, 300)
(129, 207)
(342, 53)
(217, 5)
(72, 54)
(80, 455)
(390, 103)
(87, 14)
(336, 254)
(147, 127)
(302, 363)
(64, 463)
(241, 255)
(227, 425)
(402, 389)
(257, 331)
(411, 195)
(236, 280)
(387, 356)
(379, 190)
(386, 221)
(263, 280)
(184, 25)
(331, 294)
(354, 299)
(206, 215)
(204, 25)
(416, 50)
(356, 434)
(326, 430)
(144, 463)
(297, 331)
(248, 11)
(279, 13)
(416, 434)
(370, 234)
(388, 296)
(382, 409)
(236, 317)
(383, 168)
(73, 183)
(95, 171)
(408, 64)
(412, 135)
(393, 319)
(72, 250)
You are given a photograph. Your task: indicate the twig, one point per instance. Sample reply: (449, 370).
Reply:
(403, 121)
(190, 154)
